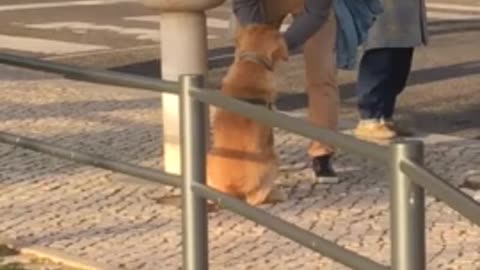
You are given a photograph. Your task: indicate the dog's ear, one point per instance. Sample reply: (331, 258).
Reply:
(281, 50)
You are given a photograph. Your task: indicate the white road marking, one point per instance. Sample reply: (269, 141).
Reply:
(451, 16)
(218, 23)
(37, 45)
(455, 7)
(211, 22)
(83, 27)
(60, 4)
(152, 18)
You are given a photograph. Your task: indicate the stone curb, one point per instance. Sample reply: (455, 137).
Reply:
(56, 256)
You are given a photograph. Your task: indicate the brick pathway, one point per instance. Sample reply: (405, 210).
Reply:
(82, 211)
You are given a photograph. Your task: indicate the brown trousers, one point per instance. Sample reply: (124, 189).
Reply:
(320, 69)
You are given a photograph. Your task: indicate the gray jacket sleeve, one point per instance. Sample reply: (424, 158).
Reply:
(249, 11)
(315, 14)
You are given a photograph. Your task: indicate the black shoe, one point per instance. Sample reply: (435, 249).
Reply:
(323, 171)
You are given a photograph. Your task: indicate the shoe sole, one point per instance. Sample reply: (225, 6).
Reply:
(326, 179)
(376, 141)
(370, 137)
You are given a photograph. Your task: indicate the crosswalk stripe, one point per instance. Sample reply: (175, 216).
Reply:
(148, 18)
(45, 46)
(211, 22)
(60, 4)
(454, 7)
(451, 16)
(218, 23)
(83, 27)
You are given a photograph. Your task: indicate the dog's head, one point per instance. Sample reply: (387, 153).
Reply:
(263, 40)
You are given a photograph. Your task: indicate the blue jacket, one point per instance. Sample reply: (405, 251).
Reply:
(354, 19)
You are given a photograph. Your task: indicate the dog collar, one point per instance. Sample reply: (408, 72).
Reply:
(257, 101)
(253, 57)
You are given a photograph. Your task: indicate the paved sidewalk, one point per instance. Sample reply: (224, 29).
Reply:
(86, 213)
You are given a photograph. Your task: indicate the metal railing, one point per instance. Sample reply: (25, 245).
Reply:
(408, 177)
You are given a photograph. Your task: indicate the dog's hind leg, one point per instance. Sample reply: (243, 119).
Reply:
(266, 195)
(258, 196)
(267, 192)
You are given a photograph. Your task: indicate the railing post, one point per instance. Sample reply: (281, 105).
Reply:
(407, 208)
(194, 132)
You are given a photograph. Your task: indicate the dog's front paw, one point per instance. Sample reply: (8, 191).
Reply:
(277, 195)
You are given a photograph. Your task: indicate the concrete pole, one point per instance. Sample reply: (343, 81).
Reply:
(183, 51)
(183, 34)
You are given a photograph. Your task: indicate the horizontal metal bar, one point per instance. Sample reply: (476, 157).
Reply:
(292, 124)
(89, 159)
(291, 231)
(440, 188)
(91, 75)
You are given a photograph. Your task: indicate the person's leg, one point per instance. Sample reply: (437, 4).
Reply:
(374, 80)
(374, 88)
(323, 95)
(402, 57)
(321, 85)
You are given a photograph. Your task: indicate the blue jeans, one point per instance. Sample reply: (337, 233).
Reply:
(382, 76)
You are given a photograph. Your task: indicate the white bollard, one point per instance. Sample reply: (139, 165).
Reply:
(183, 34)
(183, 51)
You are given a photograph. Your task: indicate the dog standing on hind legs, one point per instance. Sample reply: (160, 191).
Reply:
(242, 160)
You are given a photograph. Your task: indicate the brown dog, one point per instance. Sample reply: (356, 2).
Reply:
(242, 160)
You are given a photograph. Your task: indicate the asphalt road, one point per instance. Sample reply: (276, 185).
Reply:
(444, 89)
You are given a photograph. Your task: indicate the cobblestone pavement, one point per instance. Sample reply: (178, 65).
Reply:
(84, 212)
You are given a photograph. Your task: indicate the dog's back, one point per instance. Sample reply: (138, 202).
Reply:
(242, 160)
(242, 155)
